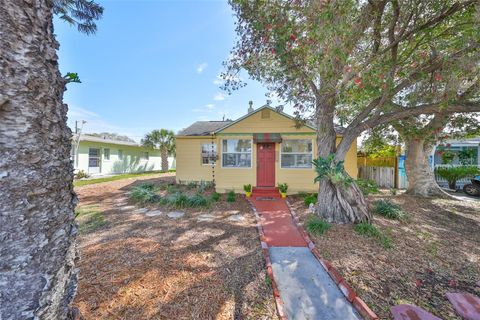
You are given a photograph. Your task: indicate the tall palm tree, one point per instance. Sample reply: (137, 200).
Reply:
(164, 140)
(38, 278)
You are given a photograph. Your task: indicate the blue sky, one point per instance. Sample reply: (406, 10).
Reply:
(152, 64)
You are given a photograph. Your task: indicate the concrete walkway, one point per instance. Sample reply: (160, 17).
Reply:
(305, 287)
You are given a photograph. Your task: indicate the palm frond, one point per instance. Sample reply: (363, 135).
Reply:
(82, 13)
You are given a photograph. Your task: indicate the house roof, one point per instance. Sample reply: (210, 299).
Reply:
(206, 128)
(203, 128)
(86, 137)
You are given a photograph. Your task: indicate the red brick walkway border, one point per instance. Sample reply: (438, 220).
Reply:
(347, 291)
(276, 294)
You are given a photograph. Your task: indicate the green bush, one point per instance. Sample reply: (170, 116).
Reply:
(247, 187)
(197, 201)
(369, 230)
(177, 200)
(453, 174)
(367, 186)
(145, 193)
(215, 196)
(81, 175)
(388, 209)
(317, 226)
(310, 198)
(231, 196)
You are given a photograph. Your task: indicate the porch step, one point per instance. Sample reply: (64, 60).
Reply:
(265, 189)
(265, 192)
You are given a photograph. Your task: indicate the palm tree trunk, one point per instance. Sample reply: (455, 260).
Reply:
(164, 156)
(37, 231)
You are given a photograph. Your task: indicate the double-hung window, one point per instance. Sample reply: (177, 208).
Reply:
(297, 153)
(209, 153)
(120, 154)
(237, 153)
(106, 154)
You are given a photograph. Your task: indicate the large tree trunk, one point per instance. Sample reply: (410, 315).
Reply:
(164, 156)
(421, 179)
(338, 204)
(38, 278)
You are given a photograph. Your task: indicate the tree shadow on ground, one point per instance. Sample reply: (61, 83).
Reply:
(142, 267)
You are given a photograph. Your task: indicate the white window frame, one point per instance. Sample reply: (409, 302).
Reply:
(251, 153)
(105, 158)
(295, 168)
(215, 155)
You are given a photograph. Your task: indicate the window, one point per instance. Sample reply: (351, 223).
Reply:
(237, 153)
(120, 154)
(297, 154)
(209, 153)
(106, 154)
(145, 155)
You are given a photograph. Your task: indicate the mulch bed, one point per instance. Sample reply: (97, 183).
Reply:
(437, 250)
(139, 267)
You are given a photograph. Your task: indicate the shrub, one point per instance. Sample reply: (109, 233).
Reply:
(453, 174)
(310, 198)
(247, 187)
(283, 187)
(367, 186)
(81, 175)
(388, 209)
(178, 200)
(317, 226)
(197, 201)
(144, 194)
(215, 196)
(231, 196)
(369, 230)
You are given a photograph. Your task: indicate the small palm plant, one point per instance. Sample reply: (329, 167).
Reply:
(283, 187)
(248, 189)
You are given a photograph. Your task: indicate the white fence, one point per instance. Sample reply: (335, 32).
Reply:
(383, 176)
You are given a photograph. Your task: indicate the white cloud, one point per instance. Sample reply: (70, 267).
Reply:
(210, 106)
(201, 67)
(218, 81)
(219, 97)
(94, 122)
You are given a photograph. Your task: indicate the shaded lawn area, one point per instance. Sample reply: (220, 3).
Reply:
(140, 267)
(435, 250)
(80, 183)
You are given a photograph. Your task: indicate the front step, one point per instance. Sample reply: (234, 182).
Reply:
(265, 192)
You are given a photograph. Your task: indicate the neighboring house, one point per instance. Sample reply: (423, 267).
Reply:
(466, 151)
(101, 156)
(263, 148)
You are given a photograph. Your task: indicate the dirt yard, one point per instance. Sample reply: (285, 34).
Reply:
(436, 250)
(138, 267)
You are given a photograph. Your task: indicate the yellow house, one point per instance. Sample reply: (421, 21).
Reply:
(263, 148)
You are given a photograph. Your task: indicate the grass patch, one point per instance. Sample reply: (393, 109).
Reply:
(367, 186)
(388, 209)
(89, 218)
(317, 226)
(369, 230)
(80, 183)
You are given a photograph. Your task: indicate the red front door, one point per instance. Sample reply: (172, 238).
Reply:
(265, 164)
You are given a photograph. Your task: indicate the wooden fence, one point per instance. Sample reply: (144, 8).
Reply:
(383, 176)
(365, 161)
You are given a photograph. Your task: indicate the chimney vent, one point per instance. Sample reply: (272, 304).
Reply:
(250, 108)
